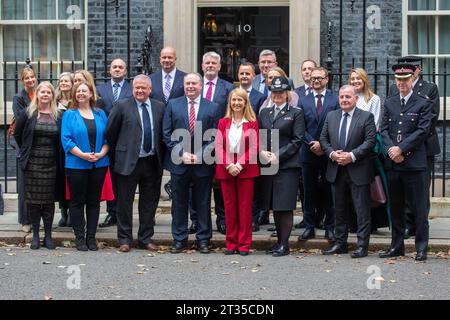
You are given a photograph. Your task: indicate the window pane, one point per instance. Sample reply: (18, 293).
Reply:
(14, 9)
(11, 84)
(443, 90)
(444, 5)
(71, 9)
(15, 43)
(43, 9)
(72, 43)
(43, 71)
(422, 5)
(421, 34)
(444, 34)
(43, 42)
(428, 68)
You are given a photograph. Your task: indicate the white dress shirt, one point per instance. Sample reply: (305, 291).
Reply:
(196, 106)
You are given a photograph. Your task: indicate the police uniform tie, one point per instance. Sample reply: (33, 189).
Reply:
(147, 145)
(403, 103)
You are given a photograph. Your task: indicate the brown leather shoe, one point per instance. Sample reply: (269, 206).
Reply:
(124, 248)
(149, 246)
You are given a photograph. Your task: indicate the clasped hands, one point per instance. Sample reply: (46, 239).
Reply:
(270, 157)
(189, 158)
(92, 156)
(315, 148)
(341, 157)
(396, 154)
(234, 169)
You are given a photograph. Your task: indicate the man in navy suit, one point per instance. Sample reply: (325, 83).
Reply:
(246, 75)
(190, 161)
(306, 69)
(314, 162)
(168, 82)
(115, 89)
(216, 90)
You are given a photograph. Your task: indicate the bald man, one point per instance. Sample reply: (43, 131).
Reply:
(167, 82)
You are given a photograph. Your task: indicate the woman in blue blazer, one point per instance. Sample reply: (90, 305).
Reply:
(82, 138)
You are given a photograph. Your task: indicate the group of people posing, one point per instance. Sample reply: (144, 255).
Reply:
(254, 146)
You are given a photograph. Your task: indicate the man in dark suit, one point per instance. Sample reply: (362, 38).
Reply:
(429, 91)
(406, 123)
(111, 91)
(318, 200)
(168, 82)
(134, 134)
(246, 75)
(217, 91)
(190, 161)
(347, 139)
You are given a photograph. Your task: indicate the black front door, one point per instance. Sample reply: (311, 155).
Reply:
(240, 33)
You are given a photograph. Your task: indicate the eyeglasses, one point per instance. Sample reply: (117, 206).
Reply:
(317, 78)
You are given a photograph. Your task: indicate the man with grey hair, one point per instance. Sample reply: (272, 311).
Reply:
(216, 90)
(347, 139)
(134, 134)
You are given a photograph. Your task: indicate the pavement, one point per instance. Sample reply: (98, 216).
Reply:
(11, 233)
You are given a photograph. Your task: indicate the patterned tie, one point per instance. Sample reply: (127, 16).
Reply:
(191, 117)
(209, 91)
(116, 91)
(167, 87)
(147, 146)
(343, 134)
(319, 105)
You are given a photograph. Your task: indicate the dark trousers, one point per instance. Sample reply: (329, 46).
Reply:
(345, 192)
(111, 206)
(409, 187)
(201, 196)
(38, 211)
(317, 200)
(85, 191)
(148, 175)
(219, 207)
(410, 220)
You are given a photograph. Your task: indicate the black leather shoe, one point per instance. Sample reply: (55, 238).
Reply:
(337, 248)
(230, 252)
(307, 234)
(359, 253)
(263, 218)
(221, 227)
(274, 248)
(80, 243)
(255, 226)
(300, 225)
(243, 253)
(203, 247)
(392, 253)
(193, 228)
(91, 243)
(178, 246)
(421, 256)
(281, 251)
(329, 235)
(409, 232)
(110, 221)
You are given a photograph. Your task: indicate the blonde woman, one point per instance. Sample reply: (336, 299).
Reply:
(367, 100)
(37, 134)
(82, 75)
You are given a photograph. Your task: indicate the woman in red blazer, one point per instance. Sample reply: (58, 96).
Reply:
(236, 156)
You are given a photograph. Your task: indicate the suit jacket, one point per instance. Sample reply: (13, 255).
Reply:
(223, 89)
(105, 91)
(291, 128)
(176, 117)
(314, 124)
(20, 102)
(256, 82)
(256, 100)
(158, 90)
(248, 152)
(429, 91)
(360, 141)
(124, 134)
(408, 129)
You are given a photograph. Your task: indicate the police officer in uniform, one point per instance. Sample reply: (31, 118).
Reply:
(406, 122)
(429, 91)
(278, 184)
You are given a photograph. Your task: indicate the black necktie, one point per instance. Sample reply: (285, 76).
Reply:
(147, 129)
(319, 104)
(343, 133)
(403, 103)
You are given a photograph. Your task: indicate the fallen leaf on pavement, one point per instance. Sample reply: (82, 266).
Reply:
(328, 271)
(254, 270)
(140, 265)
(379, 279)
(61, 267)
(150, 255)
(46, 262)
(390, 262)
(392, 281)
(225, 273)
(178, 261)
(11, 254)
(67, 244)
(141, 272)
(234, 262)
(194, 260)
(427, 272)
(48, 298)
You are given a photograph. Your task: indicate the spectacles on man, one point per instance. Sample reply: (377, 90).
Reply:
(318, 78)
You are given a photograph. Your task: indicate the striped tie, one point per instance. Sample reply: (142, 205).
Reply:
(192, 118)
(167, 87)
(116, 91)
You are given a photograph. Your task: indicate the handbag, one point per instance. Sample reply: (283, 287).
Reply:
(377, 193)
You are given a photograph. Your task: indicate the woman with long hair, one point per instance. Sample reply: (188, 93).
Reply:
(37, 134)
(236, 155)
(85, 147)
(20, 102)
